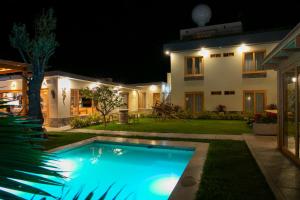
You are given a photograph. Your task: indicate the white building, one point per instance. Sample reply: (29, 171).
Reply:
(221, 65)
(61, 99)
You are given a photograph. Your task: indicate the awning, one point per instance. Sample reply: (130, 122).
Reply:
(286, 48)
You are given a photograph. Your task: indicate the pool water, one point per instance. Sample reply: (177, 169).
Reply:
(130, 171)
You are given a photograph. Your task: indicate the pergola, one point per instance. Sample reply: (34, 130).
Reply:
(11, 67)
(285, 59)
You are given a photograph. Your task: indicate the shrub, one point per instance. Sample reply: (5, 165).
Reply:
(266, 118)
(216, 116)
(221, 108)
(80, 122)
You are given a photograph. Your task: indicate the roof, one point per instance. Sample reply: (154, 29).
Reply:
(86, 78)
(229, 40)
(147, 84)
(289, 45)
(8, 67)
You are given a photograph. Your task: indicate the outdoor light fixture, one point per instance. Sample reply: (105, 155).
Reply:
(294, 79)
(152, 88)
(249, 98)
(167, 52)
(243, 48)
(13, 85)
(204, 52)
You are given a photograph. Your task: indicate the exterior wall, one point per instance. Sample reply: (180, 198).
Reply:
(221, 74)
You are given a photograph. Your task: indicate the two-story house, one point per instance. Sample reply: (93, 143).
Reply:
(222, 65)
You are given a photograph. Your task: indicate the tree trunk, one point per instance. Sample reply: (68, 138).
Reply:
(104, 118)
(34, 96)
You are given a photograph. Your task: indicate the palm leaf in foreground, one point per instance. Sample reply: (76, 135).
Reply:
(20, 161)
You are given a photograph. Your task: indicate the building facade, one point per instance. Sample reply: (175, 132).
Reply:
(61, 98)
(209, 69)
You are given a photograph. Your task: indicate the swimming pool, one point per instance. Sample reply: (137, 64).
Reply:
(141, 172)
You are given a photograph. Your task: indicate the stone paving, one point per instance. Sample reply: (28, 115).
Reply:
(282, 175)
(162, 135)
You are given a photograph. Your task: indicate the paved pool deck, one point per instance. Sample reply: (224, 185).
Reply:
(282, 175)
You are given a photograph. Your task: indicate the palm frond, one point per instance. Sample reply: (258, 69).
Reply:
(21, 160)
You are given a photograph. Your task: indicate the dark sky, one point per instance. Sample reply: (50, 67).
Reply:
(123, 39)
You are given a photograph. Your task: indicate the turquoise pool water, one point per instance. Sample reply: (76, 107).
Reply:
(134, 171)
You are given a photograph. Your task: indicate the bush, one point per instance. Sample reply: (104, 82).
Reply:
(80, 122)
(216, 116)
(269, 118)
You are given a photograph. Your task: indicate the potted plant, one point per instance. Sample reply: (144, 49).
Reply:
(221, 109)
(265, 124)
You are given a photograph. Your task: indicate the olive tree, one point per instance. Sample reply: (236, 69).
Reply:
(105, 99)
(36, 50)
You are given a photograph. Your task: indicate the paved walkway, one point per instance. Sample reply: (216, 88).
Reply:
(282, 175)
(162, 135)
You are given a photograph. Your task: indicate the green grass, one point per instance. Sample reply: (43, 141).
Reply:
(232, 127)
(230, 172)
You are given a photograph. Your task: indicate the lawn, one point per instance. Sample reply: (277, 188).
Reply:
(230, 172)
(232, 127)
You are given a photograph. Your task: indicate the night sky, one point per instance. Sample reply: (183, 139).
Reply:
(124, 39)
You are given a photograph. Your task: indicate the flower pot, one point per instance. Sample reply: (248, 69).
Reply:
(265, 128)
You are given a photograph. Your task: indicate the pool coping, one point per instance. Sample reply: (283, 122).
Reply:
(189, 182)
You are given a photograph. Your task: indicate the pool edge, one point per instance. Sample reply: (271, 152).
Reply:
(188, 184)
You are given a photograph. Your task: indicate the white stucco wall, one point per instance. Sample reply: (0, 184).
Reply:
(221, 74)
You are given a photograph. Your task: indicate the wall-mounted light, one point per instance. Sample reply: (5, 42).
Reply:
(167, 52)
(152, 88)
(249, 98)
(243, 48)
(13, 85)
(204, 52)
(44, 84)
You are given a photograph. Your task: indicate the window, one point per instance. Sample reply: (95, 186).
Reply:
(194, 102)
(86, 102)
(74, 102)
(194, 66)
(215, 55)
(228, 54)
(231, 92)
(254, 101)
(252, 62)
(216, 93)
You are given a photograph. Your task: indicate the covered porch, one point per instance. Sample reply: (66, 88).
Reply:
(285, 59)
(10, 68)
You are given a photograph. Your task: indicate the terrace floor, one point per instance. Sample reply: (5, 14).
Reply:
(282, 175)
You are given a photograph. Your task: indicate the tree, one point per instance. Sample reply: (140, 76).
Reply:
(36, 51)
(105, 99)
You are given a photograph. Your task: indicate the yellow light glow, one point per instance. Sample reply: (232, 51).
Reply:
(204, 52)
(13, 85)
(152, 88)
(243, 48)
(65, 83)
(44, 84)
(134, 92)
(294, 79)
(249, 98)
(167, 52)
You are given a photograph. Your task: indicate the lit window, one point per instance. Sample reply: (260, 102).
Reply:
(254, 101)
(194, 66)
(253, 61)
(194, 102)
